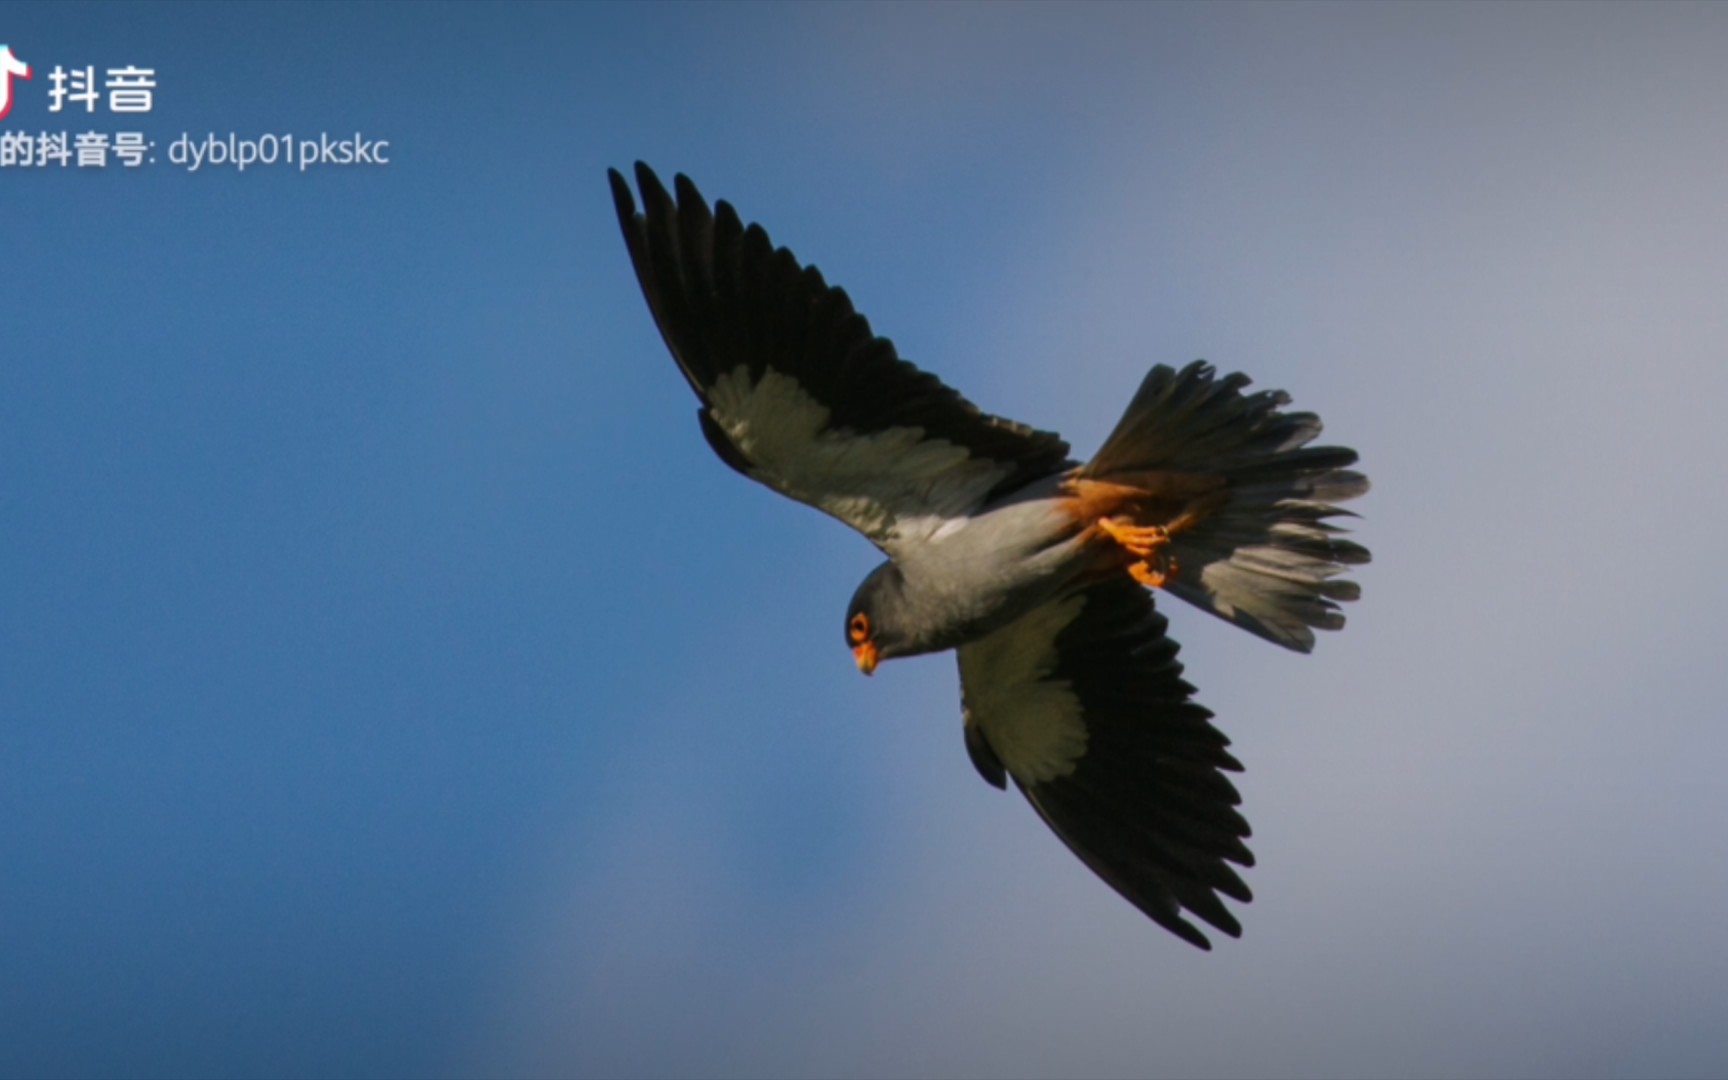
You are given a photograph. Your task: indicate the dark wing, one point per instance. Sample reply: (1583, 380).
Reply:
(1082, 702)
(798, 393)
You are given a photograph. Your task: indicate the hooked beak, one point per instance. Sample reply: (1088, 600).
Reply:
(865, 654)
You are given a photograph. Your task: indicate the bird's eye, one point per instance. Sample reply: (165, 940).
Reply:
(859, 628)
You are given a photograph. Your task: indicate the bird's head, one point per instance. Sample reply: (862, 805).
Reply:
(875, 630)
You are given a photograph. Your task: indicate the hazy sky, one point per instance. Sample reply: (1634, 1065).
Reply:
(393, 683)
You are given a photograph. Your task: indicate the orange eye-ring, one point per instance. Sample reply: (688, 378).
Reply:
(859, 628)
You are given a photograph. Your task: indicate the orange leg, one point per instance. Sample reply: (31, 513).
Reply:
(1154, 572)
(1154, 567)
(1138, 539)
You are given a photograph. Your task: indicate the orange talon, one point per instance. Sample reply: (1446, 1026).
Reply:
(1154, 567)
(1141, 540)
(1152, 579)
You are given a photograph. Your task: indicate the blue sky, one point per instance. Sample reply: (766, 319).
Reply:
(392, 683)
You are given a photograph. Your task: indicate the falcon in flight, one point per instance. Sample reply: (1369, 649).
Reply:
(1036, 569)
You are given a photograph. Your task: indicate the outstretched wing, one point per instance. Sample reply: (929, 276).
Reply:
(798, 393)
(1083, 703)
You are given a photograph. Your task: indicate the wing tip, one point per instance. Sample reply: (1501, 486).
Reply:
(622, 197)
(654, 196)
(1184, 929)
(1193, 935)
(687, 192)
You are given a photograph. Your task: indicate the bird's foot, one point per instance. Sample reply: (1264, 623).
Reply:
(1153, 572)
(1141, 540)
(1154, 566)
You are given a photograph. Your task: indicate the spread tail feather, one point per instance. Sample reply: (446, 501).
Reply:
(1266, 557)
